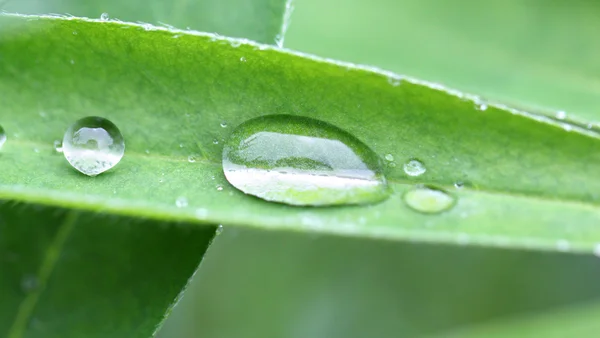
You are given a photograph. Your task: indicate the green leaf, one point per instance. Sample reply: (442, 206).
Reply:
(579, 320)
(78, 274)
(259, 20)
(278, 284)
(528, 181)
(531, 53)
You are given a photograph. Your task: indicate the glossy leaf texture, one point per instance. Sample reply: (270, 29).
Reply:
(534, 54)
(67, 273)
(259, 20)
(528, 181)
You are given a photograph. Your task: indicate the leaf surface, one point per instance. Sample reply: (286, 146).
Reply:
(528, 181)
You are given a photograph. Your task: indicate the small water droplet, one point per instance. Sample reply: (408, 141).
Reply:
(43, 114)
(2, 137)
(93, 145)
(104, 16)
(567, 127)
(72, 61)
(29, 283)
(201, 213)
(428, 200)
(148, 27)
(481, 106)
(459, 185)
(181, 202)
(215, 141)
(243, 59)
(180, 145)
(394, 81)
(147, 151)
(219, 230)
(58, 146)
(192, 158)
(597, 250)
(74, 32)
(302, 161)
(563, 245)
(36, 150)
(389, 157)
(561, 115)
(219, 188)
(392, 164)
(223, 124)
(590, 125)
(235, 43)
(414, 168)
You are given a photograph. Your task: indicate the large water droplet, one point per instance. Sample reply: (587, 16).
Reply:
(428, 200)
(2, 137)
(414, 168)
(302, 161)
(93, 145)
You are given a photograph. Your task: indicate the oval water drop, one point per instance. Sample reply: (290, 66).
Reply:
(428, 200)
(414, 168)
(302, 161)
(2, 137)
(93, 145)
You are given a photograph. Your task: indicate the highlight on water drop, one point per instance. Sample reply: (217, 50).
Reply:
(302, 161)
(428, 200)
(93, 145)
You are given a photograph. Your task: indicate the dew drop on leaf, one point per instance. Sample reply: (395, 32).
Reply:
(414, 168)
(93, 145)
(302, 161)
(181, 202)
(58, 146)
(428, 200)
(192, 158)
(2, 137)
(459, 185)
(223, 124)
(104, 17)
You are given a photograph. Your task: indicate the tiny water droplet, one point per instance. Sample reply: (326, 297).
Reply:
(597, 250)
(215, 141)
(181, 202)
(192, 158)
(93, 145)
(72, 61)
(104, 16)
(414, 168)
(561, 115)
(180, 145)
(563, 245)
(74, 32)
(567, 127)
(2, 137)
(201, 213)
(481, 106)
(223, 124)
(428, 200)
(590, 126)
(394, 81)
(43, 114)
(459, 185)
(392, 164)
(36, 150)
(389, 157)
(29, 283)
(219, 230)
(58, 146)
(148, 27)
(147, 151)
(302, 161)
(243, 59)
(235, 43)
(219, 188)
